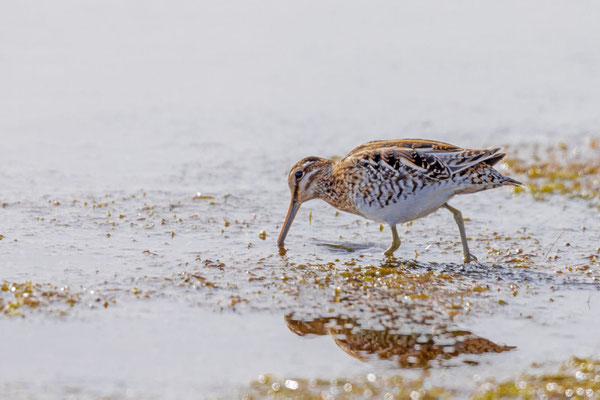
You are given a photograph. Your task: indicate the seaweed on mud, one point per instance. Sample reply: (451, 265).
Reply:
(442, 290)
(29, 298)
(360, 387)
(575, 379)
(555, 172)
(200, 196)
(194, 280)
(16, 299)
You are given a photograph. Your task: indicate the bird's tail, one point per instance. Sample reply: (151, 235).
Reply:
(510, 181)
(483, 177)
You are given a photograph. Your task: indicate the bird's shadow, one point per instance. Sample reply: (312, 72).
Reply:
(479, 270)
(345, 247)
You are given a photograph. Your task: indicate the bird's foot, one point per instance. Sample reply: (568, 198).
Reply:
(389, 252)
(468, 258)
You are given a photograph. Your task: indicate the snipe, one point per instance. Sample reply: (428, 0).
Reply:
(395, 181)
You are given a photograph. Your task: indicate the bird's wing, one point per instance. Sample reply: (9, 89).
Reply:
(425, 161)
(414, 144)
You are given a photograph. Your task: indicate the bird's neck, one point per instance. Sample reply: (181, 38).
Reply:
(322, 181)
(331, 190)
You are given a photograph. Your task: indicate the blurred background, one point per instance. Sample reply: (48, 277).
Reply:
(114, 92)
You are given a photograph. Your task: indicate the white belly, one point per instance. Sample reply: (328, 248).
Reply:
(415, 205)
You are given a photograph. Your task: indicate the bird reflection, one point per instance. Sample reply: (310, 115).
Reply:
(408, 350)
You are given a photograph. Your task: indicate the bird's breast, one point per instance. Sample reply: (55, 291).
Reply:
(395, 203)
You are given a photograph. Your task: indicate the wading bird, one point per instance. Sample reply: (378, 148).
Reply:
(395, 181)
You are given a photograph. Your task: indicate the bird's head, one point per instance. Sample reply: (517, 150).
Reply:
(308, 179)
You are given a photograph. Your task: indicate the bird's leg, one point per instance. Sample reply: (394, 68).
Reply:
(468, 257)
(395, 242)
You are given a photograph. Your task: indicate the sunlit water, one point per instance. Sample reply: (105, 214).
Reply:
(143, 144)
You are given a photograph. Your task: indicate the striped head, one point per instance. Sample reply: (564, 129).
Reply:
(308, 179)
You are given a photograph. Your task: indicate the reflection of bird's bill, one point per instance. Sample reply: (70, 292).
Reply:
(291, 214)
(303, 328)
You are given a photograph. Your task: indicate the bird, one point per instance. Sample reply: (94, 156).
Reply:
(395, 181)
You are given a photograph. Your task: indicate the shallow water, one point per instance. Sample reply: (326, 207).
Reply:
(143, 158)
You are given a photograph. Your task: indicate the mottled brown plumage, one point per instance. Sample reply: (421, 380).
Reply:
(395, 181)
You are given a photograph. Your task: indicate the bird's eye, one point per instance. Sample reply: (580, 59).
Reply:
(298, 174)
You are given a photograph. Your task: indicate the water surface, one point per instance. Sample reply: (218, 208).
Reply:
(146, 147)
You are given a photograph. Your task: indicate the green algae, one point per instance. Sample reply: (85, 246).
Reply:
(360, 387)
(395, 283)
(557, 172)
(194, 280)
(575, 379)
(17, 299)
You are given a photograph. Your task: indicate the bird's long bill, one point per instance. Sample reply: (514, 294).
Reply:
(291, 214)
